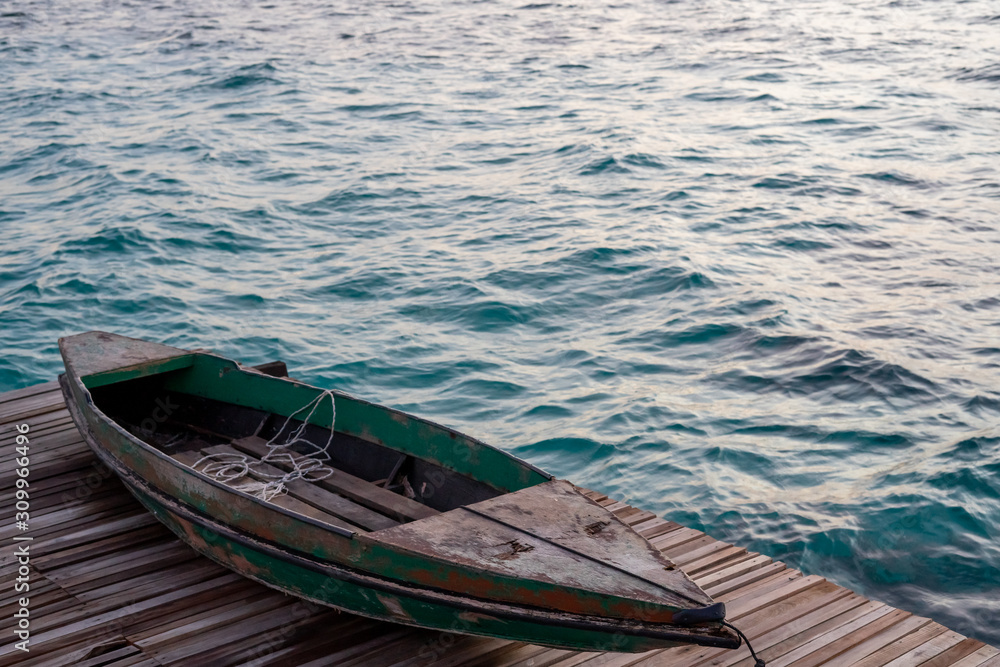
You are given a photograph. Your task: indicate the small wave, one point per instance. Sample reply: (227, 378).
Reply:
(783, 182)
(976, 449)
(487, 389)
(246, 300)
(982, 406)
(853, 375)
(643, 160)
(607, 257)
(700, 334)
(608, 165)
(650, 417)
(663, 280)
(716, 96)
(867, 441)
(37, 153)
(366, 285)
(802, 245)
(988, 303)
(780, 343)
(111, 240)
(568, 456)
(484, 316)
(247, 76)
(76, 286)
(989, 73)
(353, 201)
(766, 77)
(548, 412)
(897, 178)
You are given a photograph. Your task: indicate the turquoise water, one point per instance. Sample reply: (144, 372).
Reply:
(734, 262)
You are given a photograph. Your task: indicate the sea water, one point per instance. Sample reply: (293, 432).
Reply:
(734, 262)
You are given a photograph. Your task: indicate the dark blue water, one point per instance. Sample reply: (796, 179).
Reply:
(735, 262)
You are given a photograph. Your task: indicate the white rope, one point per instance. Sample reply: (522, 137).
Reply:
(310, 466)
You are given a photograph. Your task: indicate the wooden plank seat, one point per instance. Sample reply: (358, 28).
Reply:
(289, 501)
(354, 488)
(317, 497)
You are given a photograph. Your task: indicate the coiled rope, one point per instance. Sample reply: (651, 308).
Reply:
(309, 465)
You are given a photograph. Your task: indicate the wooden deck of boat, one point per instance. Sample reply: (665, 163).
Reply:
(111, 586)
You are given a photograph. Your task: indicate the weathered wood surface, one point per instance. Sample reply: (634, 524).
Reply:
(111, 587)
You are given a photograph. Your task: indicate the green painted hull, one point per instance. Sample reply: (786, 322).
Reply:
(326, 588)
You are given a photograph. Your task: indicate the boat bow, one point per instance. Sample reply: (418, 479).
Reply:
(551, 547)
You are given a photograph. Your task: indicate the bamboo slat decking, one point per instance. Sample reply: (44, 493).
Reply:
(111, 586)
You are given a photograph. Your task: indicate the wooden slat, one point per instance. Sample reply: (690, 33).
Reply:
(676, 538)
(288, 502)
(726, 571)
(231, 640)
(980, 658)
(952, 655)
(92, 531)
(38, 456)
(354, 488)
(107, 547)
(25, 409)
(829, 645)
(463, 651)
(864, 649)
(535, 656)
(78, 654)
(928, 650)
(336, 631)
(657, 527)
(750, 579)
(310, 492)
(784, 587)
(80, 574)
(343, 656)
(64, 634)
(41, 430)
(721, 556)
(18, 399)
(199, 624)
(707, 554)
(236, 590)
(639, 518)
(901, 646)
(50, 387)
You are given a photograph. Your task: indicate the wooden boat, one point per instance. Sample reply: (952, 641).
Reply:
(416, 524)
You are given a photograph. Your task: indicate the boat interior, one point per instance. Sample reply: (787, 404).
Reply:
(373, 486)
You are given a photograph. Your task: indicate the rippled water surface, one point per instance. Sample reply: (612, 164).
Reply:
(735, 262)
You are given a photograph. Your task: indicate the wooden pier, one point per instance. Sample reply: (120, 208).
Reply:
(110, 586)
